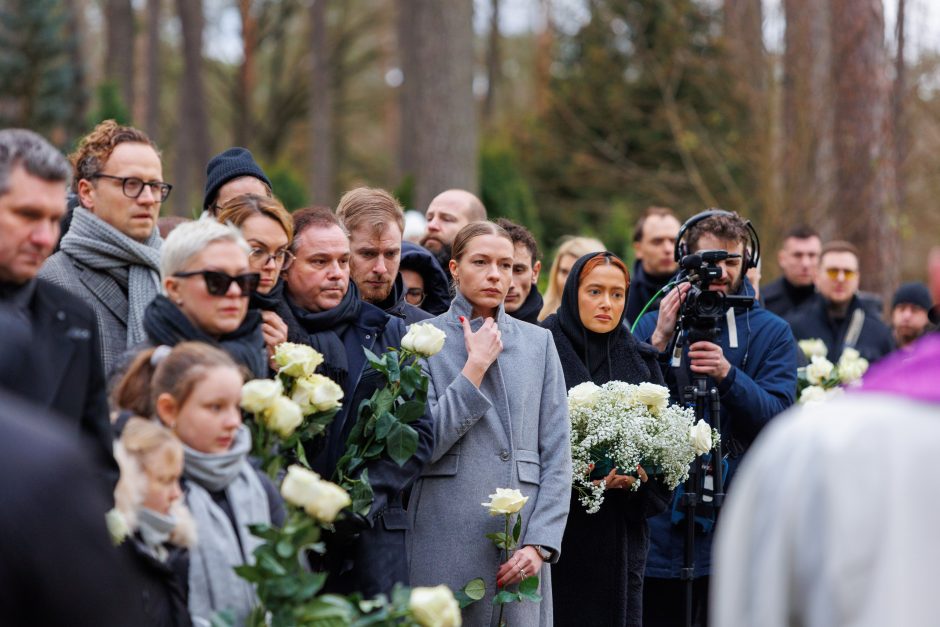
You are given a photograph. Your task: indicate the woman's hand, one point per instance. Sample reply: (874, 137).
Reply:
(526, 562)
(274, 331)
(483, 347)
(613, 481)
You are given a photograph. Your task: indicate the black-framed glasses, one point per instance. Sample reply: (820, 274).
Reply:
(217, 283)
(260, 257)
(133, 187)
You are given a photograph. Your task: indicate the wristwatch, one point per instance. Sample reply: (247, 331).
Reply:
(544, 553)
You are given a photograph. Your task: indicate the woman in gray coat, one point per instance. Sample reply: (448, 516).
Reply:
(500, 411)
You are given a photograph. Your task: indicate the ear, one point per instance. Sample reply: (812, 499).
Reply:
(536, 268)
(86, 194)
(172, 288)
(452, 264)
(636, 251)
(167, 409)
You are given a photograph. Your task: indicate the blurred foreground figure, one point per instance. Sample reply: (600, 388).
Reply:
(833, 519)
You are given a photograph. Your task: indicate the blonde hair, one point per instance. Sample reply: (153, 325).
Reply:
(239, 209)
(371, 207)
(577, 247)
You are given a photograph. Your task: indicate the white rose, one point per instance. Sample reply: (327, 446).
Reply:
(260, 394)
(851, 366)
(434, 607)
(296, 360)
(316, 393)
(583, 394)
(328, 501)
(656, 397)
(812, 394)
(299, 486)
(505, 501)
(701, 436)
(813, 348)
(117, 526)
(818, 370)
(283, 417)
(424, 339)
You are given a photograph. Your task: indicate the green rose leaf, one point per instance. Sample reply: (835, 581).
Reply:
(517, 530)
(500, 539)
(528, 588)
(402, 443)
(392, 370)
(410, 379)
(505, 596)
(375, 361)
(410, 411)
(384, 425)
(475, 590)
(284, 549)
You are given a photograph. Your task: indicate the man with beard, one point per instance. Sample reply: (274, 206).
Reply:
(375, 221)
(752, 365)
(654, 240)
(523, 300)
(323, 310)
(449, 212)
(910, 311)
(799, 261)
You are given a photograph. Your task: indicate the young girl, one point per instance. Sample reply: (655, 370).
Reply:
(148, 498)
(194, 389)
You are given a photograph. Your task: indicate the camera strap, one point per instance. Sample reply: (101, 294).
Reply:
(732, 328)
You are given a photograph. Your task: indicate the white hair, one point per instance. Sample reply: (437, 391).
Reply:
(190, 238)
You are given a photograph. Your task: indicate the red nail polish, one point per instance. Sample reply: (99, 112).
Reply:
(461, 318)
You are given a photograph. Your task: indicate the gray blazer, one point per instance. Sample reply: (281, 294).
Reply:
(512, 432)
(102, 293)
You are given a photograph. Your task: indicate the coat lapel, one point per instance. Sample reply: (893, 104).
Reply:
(106, 291)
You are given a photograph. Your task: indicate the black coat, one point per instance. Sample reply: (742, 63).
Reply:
(59, 368)
(599, 578)
(377, 559)
(642, 288)
(782, 298)
(813, 321)
(164, 594)
(58, 566)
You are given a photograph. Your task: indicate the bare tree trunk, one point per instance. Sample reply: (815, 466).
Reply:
(901, 138)
(193, 141)
(493, 63)
(152, 87)
(409, 93)
(119, 55)
(864, 166)
(807, 116)
(321, 108)
(246, 76)
(544, 44)
(440, 68)
(75, 24)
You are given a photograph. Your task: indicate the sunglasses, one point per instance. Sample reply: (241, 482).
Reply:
(217, 283)
(833, 273)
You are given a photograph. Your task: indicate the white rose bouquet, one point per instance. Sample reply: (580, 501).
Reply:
(820, 379)
(622, 425)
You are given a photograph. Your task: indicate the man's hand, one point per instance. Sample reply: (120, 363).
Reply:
(708, 359)
(668, 313)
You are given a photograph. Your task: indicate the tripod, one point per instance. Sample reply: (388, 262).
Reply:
(700, 395)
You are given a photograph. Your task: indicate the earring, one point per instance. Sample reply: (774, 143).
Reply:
(179, 303)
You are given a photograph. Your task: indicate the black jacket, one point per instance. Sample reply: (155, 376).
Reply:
(164, 594)
(813, 321)
(59, 368)
(397, 306)
(437, 294)
(782, 298)
(642, 288)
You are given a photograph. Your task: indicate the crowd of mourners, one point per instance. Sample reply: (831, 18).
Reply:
(127, 337)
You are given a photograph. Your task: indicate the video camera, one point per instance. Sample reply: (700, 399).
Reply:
(702, 309)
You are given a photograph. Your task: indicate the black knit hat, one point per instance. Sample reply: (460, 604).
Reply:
(231, 164)
(914, 294)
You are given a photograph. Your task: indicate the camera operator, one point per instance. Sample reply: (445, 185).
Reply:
(752, 365)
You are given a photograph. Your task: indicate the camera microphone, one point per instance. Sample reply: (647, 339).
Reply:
(691, 262)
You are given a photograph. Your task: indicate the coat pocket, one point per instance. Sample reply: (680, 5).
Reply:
(529, 466)
(396, 519)
(446, 466)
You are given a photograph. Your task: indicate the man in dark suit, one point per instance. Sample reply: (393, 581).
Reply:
(50, 352)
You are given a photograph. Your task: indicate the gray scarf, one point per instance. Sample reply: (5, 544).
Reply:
(213, 584)
(132, 264)
(155, 529)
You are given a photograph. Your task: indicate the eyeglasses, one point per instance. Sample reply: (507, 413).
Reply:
(217, 283)
(833, 273)
(260, 257)
(133, 187)
(414, 295)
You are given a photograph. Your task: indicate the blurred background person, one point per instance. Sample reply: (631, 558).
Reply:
(523, 300)
(798, 259)
(654, 243)
(426, 284)
(569, 251)
(447, 213)
(231, 173)
(910, 309)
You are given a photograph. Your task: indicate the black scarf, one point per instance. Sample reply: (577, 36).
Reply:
(597, 357)
(165, 323)
(269, 301)
(529, 310)
(325, 331)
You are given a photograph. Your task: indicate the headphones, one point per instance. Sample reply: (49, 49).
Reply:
(751, 249)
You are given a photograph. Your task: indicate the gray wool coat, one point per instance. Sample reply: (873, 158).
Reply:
(512, 432)
(102, 293)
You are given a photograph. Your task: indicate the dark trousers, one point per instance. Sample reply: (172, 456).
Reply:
(664, 602)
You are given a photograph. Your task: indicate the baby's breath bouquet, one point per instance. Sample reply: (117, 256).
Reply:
(820, 379)
(622, 425)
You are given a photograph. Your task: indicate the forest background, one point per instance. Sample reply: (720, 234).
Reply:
(569, 116)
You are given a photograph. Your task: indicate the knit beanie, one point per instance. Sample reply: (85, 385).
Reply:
(914, 294)
(231, 164)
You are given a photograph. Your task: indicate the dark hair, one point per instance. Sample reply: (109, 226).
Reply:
(728, 226)
(801, 231)
(520, 235)
(649, 212)
(95, 148)
(314, 217)
(472, 230)
(176, 374)
(838, 246)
